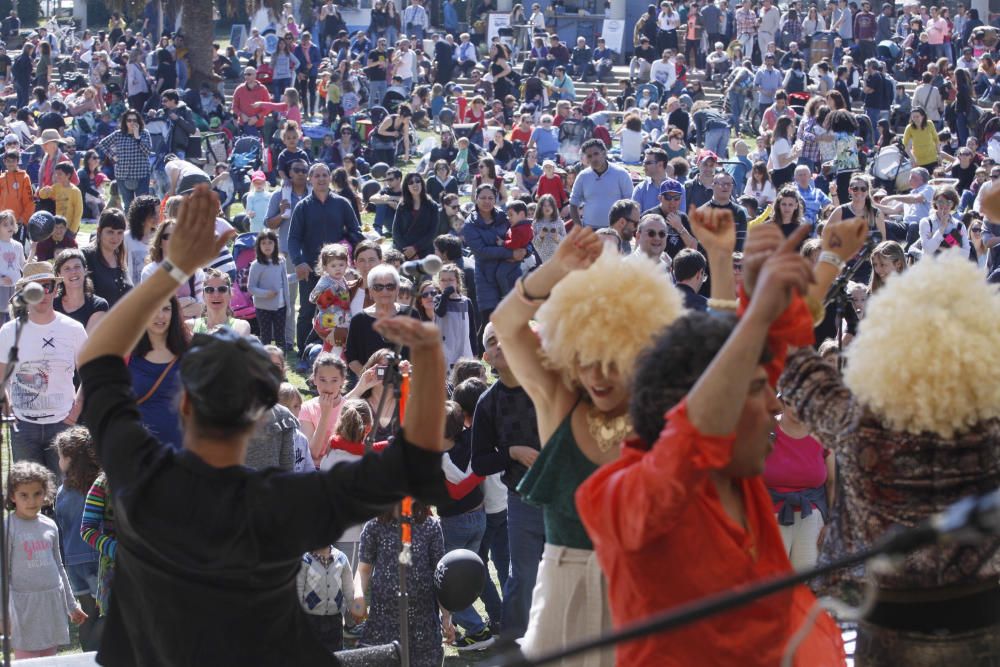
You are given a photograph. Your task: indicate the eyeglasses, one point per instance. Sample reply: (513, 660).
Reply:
(378, 287)
(654, 233)
(976, 230)
(943, 200)
(221, 289)
(859, 188)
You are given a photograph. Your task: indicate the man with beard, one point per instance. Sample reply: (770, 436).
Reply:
(678, 226)
(624, 218)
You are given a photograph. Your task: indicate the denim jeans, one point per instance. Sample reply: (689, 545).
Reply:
(33, 442)
(376, 91)
(408, 85)
(717, 141)
(130, 188)
(736, 100)
(465, 531)
(495, 546)
(526, 535)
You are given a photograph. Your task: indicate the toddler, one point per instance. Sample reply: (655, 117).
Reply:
(11, 260)
(332, 298)
(548, 228)
(268, 284)
(41, 598)
(290, 397)
(461, 164)
(551, 183)
(453, 315)
(257, 201)
(326, 588)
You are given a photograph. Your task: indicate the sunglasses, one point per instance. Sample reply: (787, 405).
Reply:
(48, 285)
(430, 294)
(378, 287)
(859, 188)
(221, 289)
(976, 230)
(654, 233)
(942, 200)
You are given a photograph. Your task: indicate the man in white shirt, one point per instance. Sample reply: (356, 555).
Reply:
(41, 391)
(254, 43)
(415, 19)
(465, 54)
(664, 71)
(767, 29)
(405, 64)
(967, 61)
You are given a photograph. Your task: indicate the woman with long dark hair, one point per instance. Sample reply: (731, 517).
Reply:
(155, 373)
(857, 203)
(196, 517)
(784, 152)
(107, 258)
(488, 175)
(920, 140)
(415, 224)
(844, 127)
(130, 147)
(964, 102)
(340, 183)
(787, 212)
(93, 202)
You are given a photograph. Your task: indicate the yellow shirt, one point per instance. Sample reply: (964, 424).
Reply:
(925, 143)
(69, 204)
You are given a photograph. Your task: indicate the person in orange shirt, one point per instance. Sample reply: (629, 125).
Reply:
(684, 513)
(16, 193)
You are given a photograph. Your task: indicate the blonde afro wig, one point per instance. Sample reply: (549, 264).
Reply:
(926, 354)
(606, 314)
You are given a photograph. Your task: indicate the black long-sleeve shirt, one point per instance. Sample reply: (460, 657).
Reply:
(504, 418)
(316, 223)
(208, 557)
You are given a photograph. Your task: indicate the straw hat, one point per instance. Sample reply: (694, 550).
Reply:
(49, 136)
(35, 271)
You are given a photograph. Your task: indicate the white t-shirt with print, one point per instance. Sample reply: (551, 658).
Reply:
(41, 389)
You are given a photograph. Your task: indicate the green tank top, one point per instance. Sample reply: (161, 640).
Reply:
(551, 483)
(200, 326)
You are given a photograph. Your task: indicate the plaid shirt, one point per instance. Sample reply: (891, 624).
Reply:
(807, 135)
(746, 22)
(131, 155)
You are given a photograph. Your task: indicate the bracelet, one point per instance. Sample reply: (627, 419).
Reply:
(524, 297)
(175, 272)
(723, 304)
(832, 258)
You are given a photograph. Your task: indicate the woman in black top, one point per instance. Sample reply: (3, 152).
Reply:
(340, 183)
(441, 181)
(415, 224)
(392, 129)
(963, 104)
(75, 294)
(106, 257)
(93, 203)
(200, 549)
(166, 72)
(503, 84)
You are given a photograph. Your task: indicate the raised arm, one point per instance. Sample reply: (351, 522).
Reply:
(511, 318)
(193, 245)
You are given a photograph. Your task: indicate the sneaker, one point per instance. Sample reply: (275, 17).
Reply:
(354, 631)
(477, 642)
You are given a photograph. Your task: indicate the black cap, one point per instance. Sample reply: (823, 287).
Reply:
(230, 379)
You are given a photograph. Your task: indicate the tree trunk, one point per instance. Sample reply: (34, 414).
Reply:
(198, 26)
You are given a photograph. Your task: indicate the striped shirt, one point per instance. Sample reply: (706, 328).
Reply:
(97, 526)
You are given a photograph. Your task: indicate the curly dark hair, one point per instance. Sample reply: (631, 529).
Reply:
(26, 472)
(77, 446)
(668, 369)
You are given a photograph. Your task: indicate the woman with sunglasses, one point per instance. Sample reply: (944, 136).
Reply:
(190, 293)
(860, 205)
(363, 338)
(450, 218)
(107, 258)
(346, 144)
(130, 147)
(218, 296)
(75, 290)
(979, 253)
(415, 224)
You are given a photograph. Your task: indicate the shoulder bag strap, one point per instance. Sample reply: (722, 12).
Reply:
(156, 385)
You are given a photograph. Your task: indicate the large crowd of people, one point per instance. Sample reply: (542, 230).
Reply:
(648, 351)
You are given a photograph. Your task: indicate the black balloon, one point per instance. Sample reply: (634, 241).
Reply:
(459, 579)
(40, 225)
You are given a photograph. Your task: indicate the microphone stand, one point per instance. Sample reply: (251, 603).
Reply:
(21, 316)
(894, 543)
(837, 295)
(394, 380)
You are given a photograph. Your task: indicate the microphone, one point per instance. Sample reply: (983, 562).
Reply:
(427, 266)
(969, 520)
(28, 295)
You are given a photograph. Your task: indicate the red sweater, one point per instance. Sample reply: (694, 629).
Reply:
(519, 236)
(552, 186)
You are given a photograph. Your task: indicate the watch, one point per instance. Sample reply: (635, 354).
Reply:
(175, 272)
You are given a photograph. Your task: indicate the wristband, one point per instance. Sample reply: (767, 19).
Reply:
(832, 258)
(175, 272)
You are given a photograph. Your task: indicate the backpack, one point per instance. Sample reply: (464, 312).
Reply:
(244, 254)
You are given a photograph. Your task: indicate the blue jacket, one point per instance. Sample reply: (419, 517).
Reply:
(69, 511)
(314, 58)
(315, 223)
(494, 275)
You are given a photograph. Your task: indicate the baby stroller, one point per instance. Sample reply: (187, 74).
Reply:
(798, 101)
(888, 52)
(572, 134)
(247, 158)
(244, 254)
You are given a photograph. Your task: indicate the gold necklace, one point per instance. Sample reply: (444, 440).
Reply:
(607, 431)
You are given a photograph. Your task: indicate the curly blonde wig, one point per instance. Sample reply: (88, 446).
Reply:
(606, 314)
(942, 377)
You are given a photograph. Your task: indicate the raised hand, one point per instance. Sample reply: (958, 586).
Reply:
(714, 228)
(845, 238)
(581, 248)
(782, 274)
(194, 243)
(409, 332)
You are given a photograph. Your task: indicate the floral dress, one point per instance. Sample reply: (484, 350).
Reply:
(380, 546)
